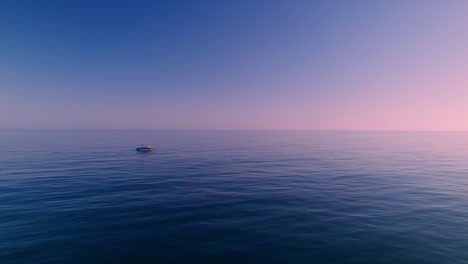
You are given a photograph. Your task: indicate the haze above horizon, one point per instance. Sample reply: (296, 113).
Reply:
(234, 65)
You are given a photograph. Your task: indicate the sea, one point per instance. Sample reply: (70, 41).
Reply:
(233, 197)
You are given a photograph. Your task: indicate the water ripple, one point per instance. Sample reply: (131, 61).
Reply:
(230, 197)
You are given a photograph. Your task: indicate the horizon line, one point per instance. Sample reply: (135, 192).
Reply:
(239, 130)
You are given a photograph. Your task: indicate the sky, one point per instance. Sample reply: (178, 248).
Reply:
(234, 65)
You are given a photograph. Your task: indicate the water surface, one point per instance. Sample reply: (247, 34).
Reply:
(233, 197)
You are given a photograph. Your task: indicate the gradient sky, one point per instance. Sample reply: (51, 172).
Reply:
(240, 64)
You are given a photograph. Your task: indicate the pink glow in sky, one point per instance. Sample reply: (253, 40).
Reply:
(299, 65)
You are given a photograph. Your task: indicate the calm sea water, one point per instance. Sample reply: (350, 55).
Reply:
(233, 197)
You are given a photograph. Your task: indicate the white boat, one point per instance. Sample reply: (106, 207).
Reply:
(145, 148)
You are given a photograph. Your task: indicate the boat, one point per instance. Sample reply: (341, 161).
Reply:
(145, 148)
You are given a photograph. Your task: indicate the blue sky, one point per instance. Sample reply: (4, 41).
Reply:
(340, 65)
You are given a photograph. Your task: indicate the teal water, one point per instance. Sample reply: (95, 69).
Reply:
(233, 197)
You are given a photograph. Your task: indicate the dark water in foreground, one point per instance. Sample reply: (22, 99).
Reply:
(234, 197)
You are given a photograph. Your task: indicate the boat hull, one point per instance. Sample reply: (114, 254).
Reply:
(144, 149)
